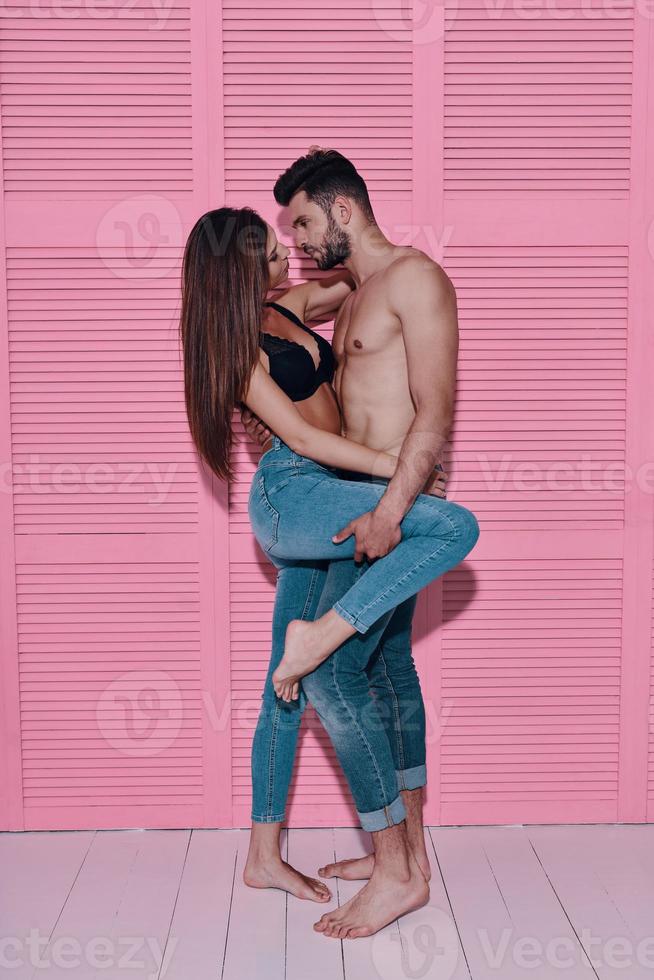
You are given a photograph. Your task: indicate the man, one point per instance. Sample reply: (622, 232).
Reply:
(396, 344)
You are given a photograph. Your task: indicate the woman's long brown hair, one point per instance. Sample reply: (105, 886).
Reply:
(225, 279)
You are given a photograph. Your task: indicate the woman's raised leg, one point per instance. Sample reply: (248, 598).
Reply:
(298, 513)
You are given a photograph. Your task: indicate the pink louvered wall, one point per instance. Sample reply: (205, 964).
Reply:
(135, 606)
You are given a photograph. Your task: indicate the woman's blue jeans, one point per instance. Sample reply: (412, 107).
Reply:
(295, 507)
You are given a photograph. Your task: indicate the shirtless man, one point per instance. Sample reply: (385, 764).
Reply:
(396, 343)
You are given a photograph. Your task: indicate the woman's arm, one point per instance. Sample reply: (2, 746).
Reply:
(267, 400)
(319, 297)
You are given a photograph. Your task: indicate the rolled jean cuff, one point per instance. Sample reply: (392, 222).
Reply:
(268, 818)
(412, 778)
(352, 620)
(388, 816)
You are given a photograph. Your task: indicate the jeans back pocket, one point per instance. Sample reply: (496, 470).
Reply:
(263, 516)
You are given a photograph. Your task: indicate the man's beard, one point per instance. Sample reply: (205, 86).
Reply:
(336, 246)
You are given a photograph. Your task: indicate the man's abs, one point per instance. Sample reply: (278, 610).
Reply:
(375, 397)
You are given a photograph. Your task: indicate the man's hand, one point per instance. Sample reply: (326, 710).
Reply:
(375, 534)
(255, 428)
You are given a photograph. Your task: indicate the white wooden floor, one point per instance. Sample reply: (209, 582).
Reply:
(552, 902)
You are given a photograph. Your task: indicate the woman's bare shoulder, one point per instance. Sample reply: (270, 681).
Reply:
(294, 299)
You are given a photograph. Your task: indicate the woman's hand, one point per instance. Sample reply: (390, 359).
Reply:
(435, 485)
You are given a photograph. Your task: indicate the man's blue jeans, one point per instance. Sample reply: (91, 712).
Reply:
(295, 506)
(383, 655)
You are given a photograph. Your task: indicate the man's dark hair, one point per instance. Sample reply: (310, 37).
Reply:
(322, 175)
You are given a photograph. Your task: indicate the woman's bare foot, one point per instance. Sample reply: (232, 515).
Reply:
(381, 901)
(306, 645)
(279, 874)
(355, 869)
(304, 650)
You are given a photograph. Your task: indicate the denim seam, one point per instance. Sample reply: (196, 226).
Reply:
(385, 810)
(396, 712)
(357, 727)
(401, 775)
(400, 581)
(268, 817)
(271, 759)
(310, 591)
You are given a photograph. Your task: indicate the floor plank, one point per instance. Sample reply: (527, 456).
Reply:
(623, 859)
(570, 858)
(482, 917)
(543, 939)
(256, 937)
(309, 956)
(198, 933)
(39, 870)
(117, 916)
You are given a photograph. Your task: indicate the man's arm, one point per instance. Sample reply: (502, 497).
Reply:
(424, 299)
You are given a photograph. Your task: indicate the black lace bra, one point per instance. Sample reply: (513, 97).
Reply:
(292, 366)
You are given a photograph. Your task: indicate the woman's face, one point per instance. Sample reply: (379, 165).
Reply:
(277, 255)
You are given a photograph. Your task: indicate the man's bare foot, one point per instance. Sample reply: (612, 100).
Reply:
(279, 874)
(379, 902)
(355, 869)
(302, 654)
(351, 869)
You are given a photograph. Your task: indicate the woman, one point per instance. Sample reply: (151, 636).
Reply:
(239, 351)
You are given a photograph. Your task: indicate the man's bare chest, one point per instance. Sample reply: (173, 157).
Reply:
(364, 331)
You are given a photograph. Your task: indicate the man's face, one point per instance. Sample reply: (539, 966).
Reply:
(318, 233)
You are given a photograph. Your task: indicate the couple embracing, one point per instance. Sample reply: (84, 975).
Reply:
(347, 501)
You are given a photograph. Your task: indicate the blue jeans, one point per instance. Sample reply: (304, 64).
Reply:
(390, 670)
(295, 506)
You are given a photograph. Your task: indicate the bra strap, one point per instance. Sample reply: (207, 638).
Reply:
(288, 314)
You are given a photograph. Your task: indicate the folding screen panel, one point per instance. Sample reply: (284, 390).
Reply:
(114, 654)
(545, 644)
(325, 73)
